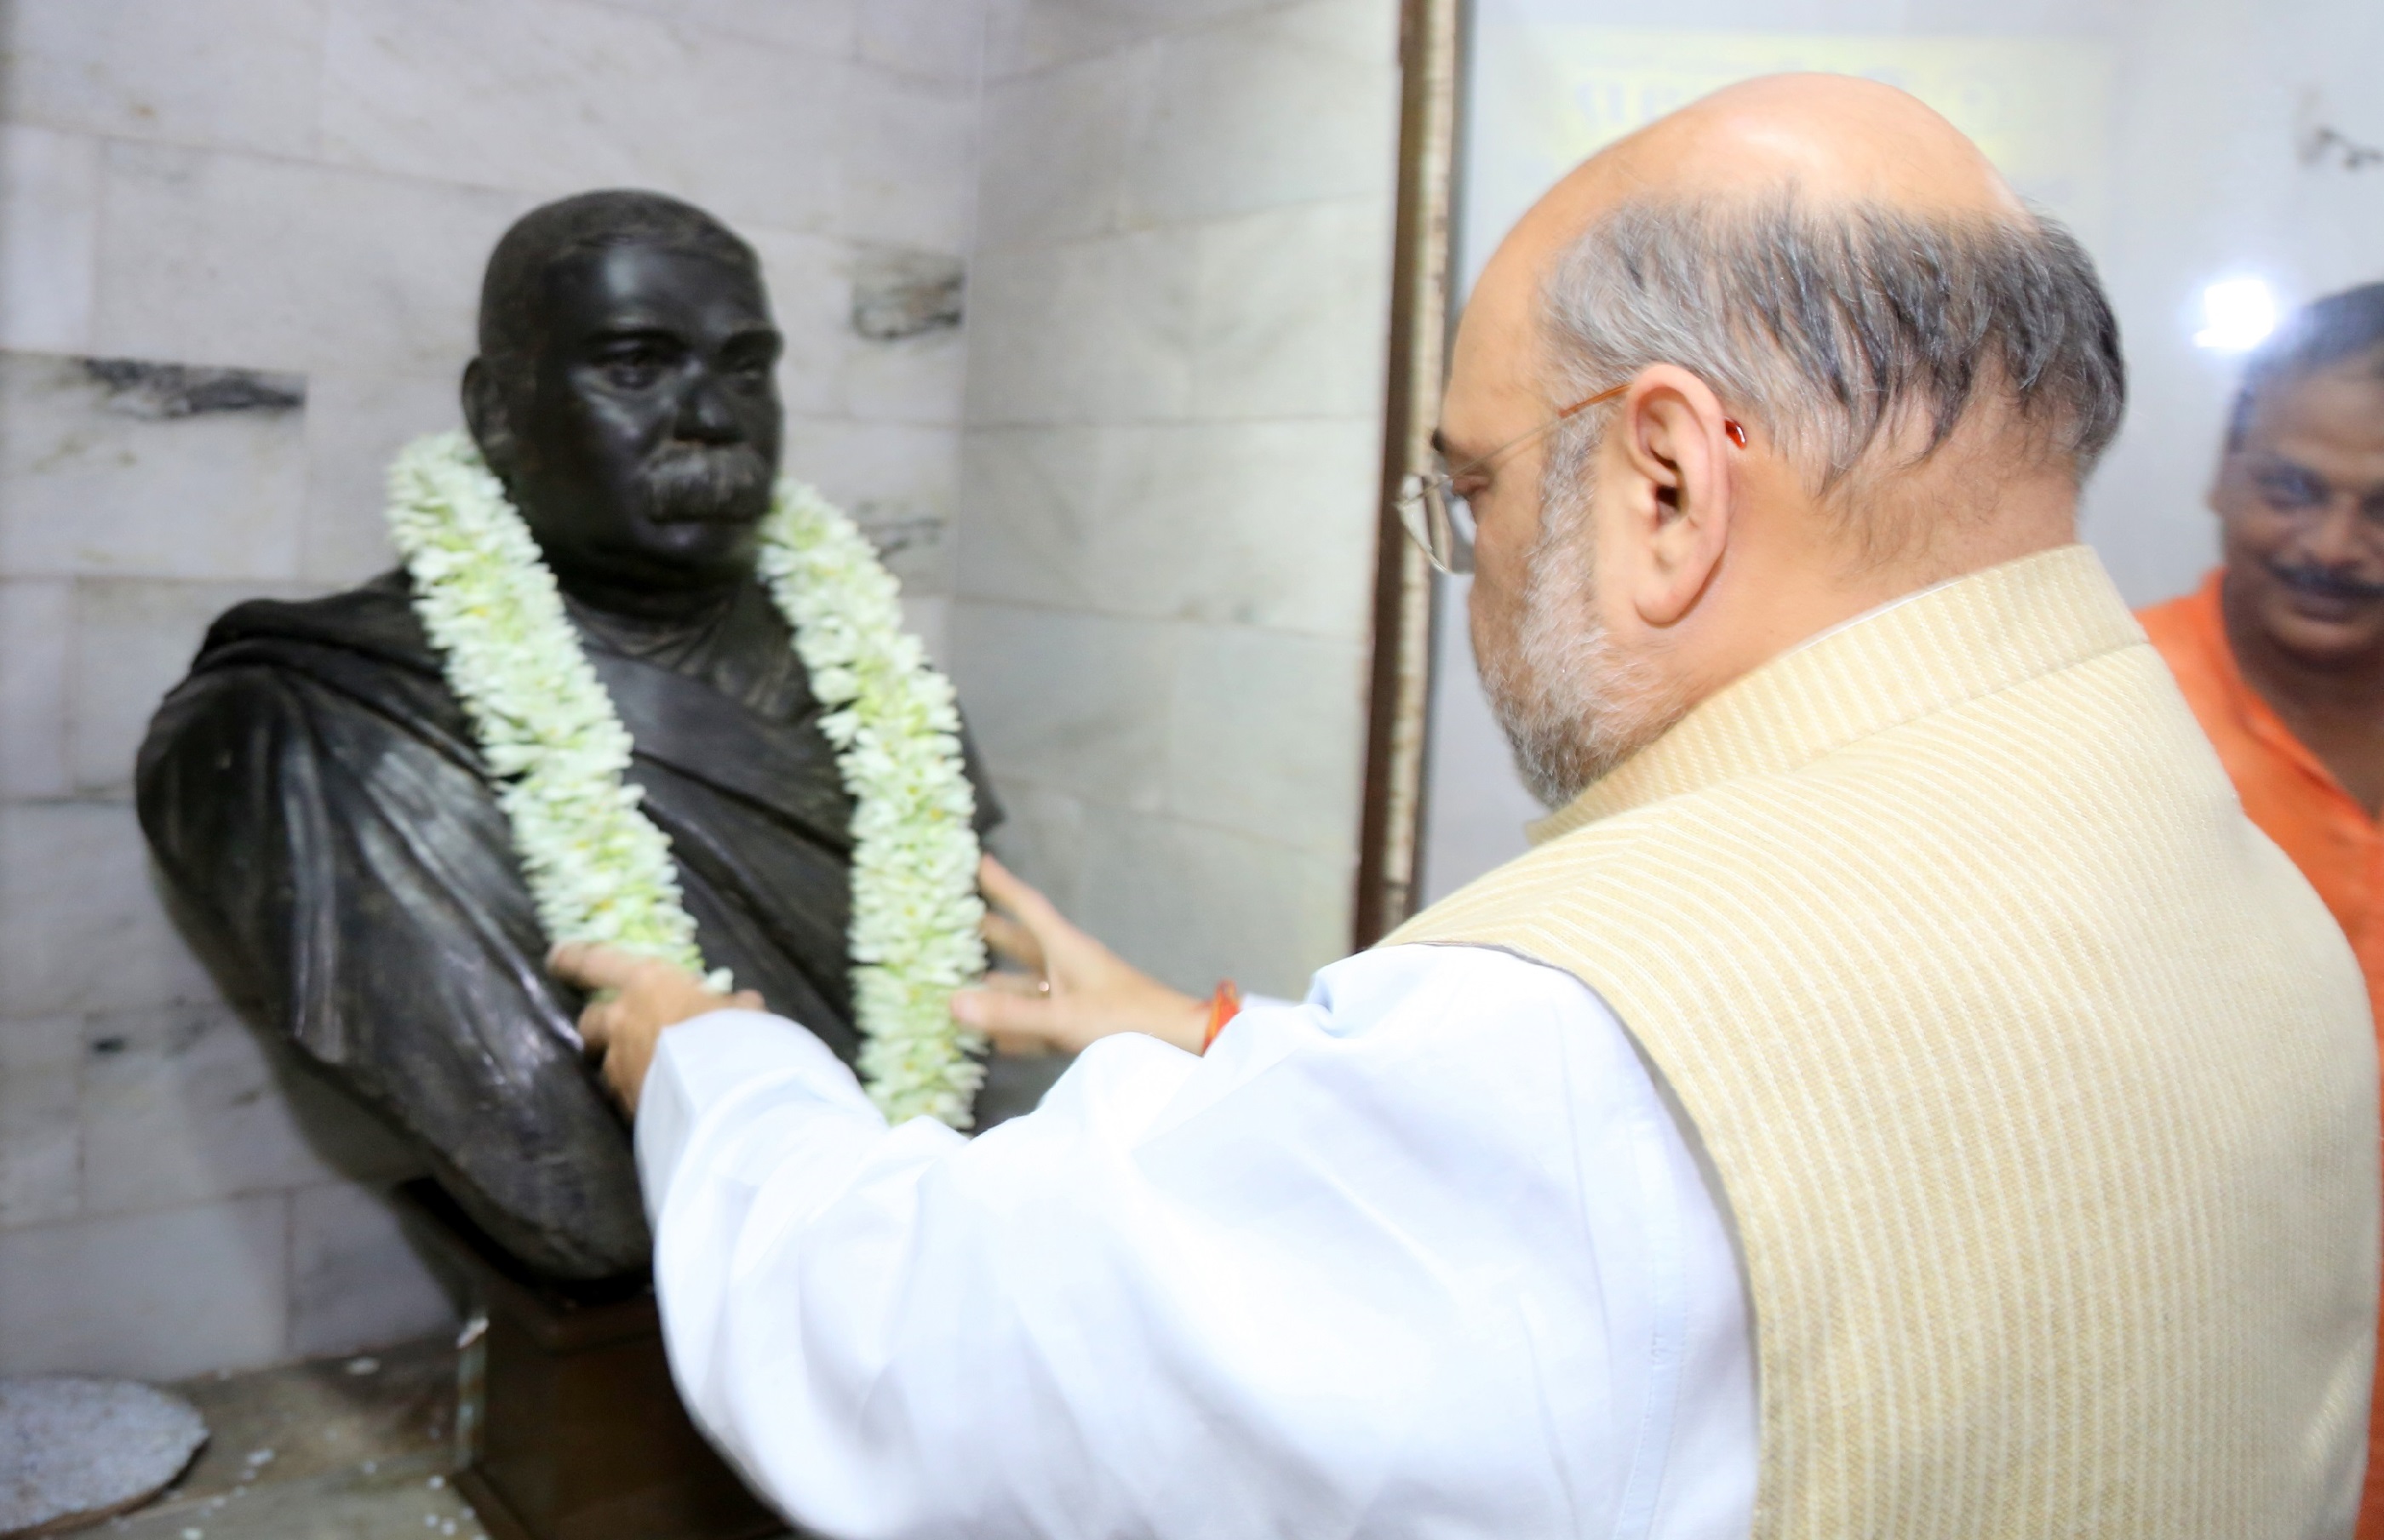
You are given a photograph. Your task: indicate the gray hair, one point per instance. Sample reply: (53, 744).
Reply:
(2345, 327)
(1834, 326)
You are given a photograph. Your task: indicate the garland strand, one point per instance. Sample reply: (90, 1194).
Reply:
(917, 920)
(598, 868)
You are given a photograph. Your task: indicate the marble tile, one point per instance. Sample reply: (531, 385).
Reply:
(897, 480)
(1293, 310)
(1269, 523)
(1193, 905)
(36, 629)
(1364, 30)
(134, 639)
(241, 74)
(155, 1297)
(940, 40)
(97, 482)
(906, 380)
(824, 27)
(355, 1279)
(1056, 145)
(356, 424)
(809, 279)
(1267, 735)
(1036, 524)
(1287, 106)
(909, 155)
(1030, 34)
(81, 928)
(898, 292)
(1067, 701)
(49, 238)
(1265, 524)
(889, 468)
(231, 259)
(818, 291)
(1090, 332)
(39, 1147)
(1041, 837)
(186, 1105)
(552, 97)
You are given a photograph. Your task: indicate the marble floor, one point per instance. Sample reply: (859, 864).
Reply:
(355, 1449)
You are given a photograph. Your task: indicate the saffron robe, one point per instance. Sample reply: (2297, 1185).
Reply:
(318, 807)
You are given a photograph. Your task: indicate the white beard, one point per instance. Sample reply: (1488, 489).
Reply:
(1572, 703)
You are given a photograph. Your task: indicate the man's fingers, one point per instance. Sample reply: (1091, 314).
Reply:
(624, 1081)
(999, 1010)
(746, 1000)
(1011, 941)
(1032, 908)
(596, 1027)
(593, 965)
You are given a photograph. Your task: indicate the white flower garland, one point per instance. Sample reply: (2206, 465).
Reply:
(598, 868)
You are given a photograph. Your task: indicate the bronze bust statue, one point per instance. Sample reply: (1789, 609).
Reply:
(314, 796)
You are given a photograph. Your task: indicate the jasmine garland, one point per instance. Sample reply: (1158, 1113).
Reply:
(598, 868)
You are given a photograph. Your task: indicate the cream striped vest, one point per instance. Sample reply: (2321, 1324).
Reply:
(2040, 1087)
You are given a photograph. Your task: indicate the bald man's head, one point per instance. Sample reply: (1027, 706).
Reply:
(1837, 261)
(1838, 359)
(1839, 139)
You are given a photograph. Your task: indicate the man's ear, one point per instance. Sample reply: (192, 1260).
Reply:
(1673, 441)
(485, 414)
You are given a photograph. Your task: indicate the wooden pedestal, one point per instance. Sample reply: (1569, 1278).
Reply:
(573, 1430)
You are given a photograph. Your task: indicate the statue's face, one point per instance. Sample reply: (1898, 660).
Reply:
(643, 454)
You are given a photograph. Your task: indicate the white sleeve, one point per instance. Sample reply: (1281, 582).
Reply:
(1421, 1255)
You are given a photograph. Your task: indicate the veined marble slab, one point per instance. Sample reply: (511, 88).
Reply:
(136, 468)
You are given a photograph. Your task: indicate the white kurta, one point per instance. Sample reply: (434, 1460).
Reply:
(1424, 1256)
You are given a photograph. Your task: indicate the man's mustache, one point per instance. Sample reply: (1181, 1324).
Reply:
(2326, 582)
(705, 483)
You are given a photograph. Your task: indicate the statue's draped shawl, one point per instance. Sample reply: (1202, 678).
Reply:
(319, 808)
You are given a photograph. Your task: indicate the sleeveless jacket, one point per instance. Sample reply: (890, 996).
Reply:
(2040, 1087)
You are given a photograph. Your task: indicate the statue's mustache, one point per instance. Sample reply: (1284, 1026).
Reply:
(2329, 582)
(705, 483)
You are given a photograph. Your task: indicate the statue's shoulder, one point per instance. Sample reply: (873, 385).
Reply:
(374, 622)
(360, 653)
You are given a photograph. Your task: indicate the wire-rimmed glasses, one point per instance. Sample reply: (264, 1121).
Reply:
(1435, 514)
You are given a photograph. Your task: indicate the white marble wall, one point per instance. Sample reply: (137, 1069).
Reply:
(309, 186)
(1177, 321)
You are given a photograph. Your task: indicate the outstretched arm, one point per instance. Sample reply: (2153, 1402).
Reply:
(1062, 990)
(1407, 1252)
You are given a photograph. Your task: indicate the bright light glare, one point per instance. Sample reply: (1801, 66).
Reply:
(2237, 315)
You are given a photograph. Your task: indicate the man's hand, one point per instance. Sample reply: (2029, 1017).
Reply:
(632, 1000)
(1070, 990)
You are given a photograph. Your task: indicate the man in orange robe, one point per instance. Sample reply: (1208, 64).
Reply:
(2280, 652)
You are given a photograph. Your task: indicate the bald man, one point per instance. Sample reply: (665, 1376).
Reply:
(1900, 1096)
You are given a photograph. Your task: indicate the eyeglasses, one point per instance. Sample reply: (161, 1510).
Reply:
(1436, 515)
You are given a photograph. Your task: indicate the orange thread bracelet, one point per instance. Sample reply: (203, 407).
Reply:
(1224, 1006)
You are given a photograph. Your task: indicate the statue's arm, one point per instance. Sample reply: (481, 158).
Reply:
(353, 886)
(219, 815)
